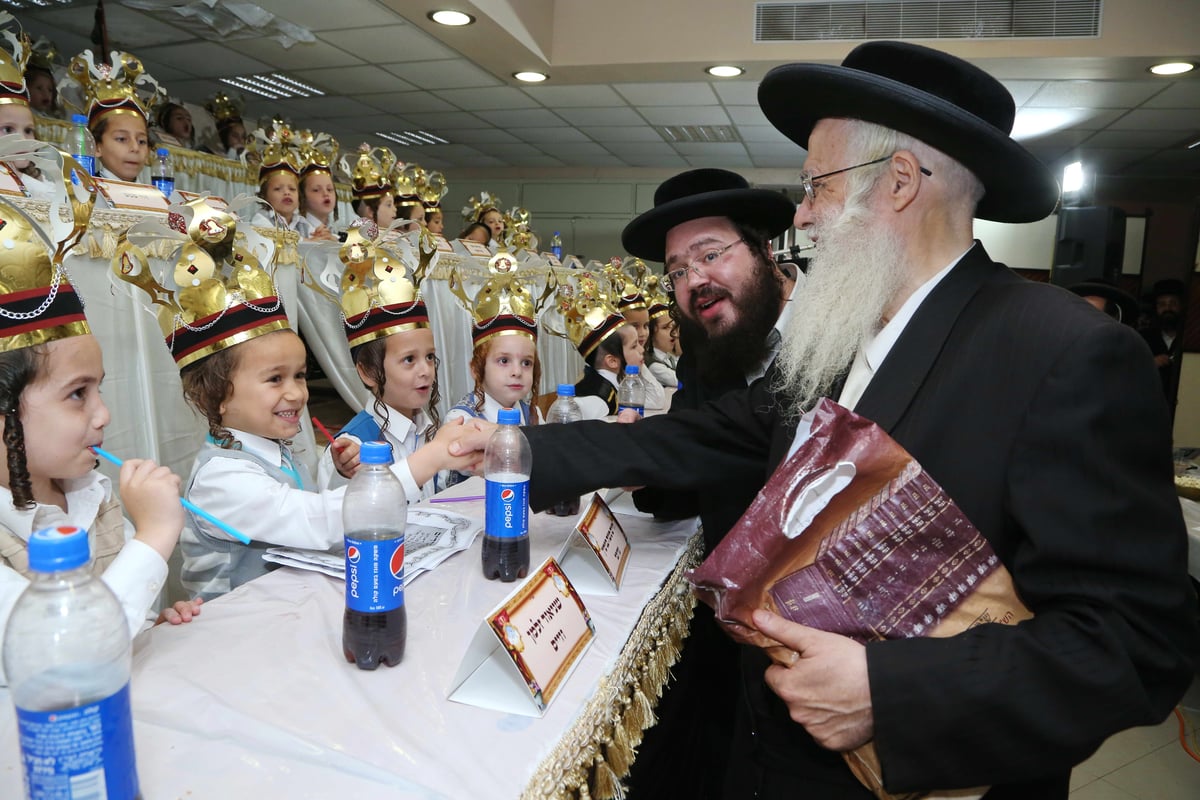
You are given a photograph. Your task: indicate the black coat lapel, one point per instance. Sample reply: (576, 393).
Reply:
(893, 387)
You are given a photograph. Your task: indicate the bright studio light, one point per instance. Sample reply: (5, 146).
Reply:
(530, 77)
(1072, 177)
(724, 71)
(453, 19)
(1172, 68)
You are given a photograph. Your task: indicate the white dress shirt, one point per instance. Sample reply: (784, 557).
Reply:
(491, 411)
(775, 337)
(136, 575)
(405, 436)
(314, 222)
(595, 408)
(270, 219)
(243, 494)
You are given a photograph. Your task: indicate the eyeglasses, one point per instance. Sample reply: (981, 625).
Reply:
(679, 275)
(809, 182)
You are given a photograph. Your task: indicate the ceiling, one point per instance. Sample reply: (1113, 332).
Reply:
(620, 70)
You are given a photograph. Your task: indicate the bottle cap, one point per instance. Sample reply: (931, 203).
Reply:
(162, 151)
(566, 390)
(375, 453)
(556, 233)
(56, 549)
(79, 119)
(509, 416)
(631, 369)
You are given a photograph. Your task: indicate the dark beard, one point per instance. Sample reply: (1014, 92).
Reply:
(733, 353)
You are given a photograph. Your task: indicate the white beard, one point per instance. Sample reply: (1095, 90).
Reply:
(856, 272)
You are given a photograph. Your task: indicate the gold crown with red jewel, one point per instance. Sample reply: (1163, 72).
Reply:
(406, 185)
(475, 209)
(431, 190)
(318, 152)
(586, 312)
(370, 172)
(120, 87)
(273, 150)
(219, 293)
(626, 281)
(503, 305)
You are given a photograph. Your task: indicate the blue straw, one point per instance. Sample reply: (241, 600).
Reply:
(199, 512)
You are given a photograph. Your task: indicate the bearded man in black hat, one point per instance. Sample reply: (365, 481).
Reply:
(1164, 336)
(1016, 397)
(713, 233)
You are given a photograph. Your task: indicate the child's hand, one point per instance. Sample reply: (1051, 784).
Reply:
(437, 455)
(150, 494)
(322, 233)
(181, 612)
(628, 415)
(345, 456)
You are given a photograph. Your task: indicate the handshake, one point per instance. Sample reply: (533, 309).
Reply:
(458, 446)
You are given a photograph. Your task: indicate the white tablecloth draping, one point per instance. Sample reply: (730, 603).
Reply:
(254, 698)
(1191, 517)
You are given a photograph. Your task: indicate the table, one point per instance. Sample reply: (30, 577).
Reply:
(254, 698)
(1191, 518)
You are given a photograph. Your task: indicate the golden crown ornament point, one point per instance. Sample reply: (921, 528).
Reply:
(432, 190)
(626, 280)
(587, 315)
(122, 87)
(474, 210)
(406, 183)
(503, 305)
(318, 152)
(370, 171)
(225, 109)
(219, 293)
(274, 150)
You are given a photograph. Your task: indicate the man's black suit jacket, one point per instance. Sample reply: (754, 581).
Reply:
(1044, 420)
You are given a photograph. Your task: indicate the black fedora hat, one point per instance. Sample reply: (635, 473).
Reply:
(1126, 304)
(701, 193)
(932, 96)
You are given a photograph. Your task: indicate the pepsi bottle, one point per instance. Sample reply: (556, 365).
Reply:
(565, 409)
(507, 462)
(374, 510)
(631, 393)
(67, 658)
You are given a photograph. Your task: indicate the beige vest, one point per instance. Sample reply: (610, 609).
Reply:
(107, 538)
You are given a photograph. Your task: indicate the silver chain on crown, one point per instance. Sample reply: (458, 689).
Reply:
(373, 307)
(179, 323)
(37, 312)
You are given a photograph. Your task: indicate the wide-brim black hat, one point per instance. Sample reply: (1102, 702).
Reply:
(702, 193)
(1124, 301)
(932, 96)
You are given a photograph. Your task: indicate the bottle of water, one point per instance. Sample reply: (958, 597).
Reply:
(81, 144)
(67, 656)
(565, 409)
(374, 511)
(507, 462)
(632, 392)
(556, 246)
(163, 177)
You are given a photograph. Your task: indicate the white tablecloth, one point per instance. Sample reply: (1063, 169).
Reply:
(254, 698)
(1191, 517)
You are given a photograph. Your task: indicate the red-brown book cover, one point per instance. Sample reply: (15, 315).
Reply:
(850, 535)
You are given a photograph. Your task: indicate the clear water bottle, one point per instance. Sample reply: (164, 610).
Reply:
(374, 511)
(565, 409)
(163, 177)
(67, 656)
(507, 462)
(556, 246)
(632, 392)
(81, 145)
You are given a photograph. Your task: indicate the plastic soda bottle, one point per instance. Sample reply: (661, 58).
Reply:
(507, 462)
(556, 246)
(565, 409)
(164, 177)
(82, 144)
(632, 392)
(374, 511)
(67, 657)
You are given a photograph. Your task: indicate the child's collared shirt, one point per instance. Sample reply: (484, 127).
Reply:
(136, 575)
(491, 409)
(404, 435)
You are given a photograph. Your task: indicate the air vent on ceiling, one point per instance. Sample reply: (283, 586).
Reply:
(926, 19)
(697, 133)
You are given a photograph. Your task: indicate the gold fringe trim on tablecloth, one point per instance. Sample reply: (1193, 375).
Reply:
(595, 754)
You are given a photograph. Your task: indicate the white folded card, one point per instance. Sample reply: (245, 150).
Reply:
(131, 196)
(595, 554)
(526, 647)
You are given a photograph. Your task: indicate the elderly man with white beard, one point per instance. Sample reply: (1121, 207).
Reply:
(1043, 420)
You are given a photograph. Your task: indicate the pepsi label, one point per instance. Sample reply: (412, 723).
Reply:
(507, 509)
(641, 410)
(374, 574)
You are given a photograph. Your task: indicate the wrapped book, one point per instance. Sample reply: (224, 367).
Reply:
(851, 536)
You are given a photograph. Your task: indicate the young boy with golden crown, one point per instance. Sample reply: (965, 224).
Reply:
(371, 184)
(318, 196)
(118, 100)
(274, 159)
(16, 116)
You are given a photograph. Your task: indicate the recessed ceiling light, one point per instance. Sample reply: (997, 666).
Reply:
(411, 138)
(454, 19)
(530, 77)
(724, 71)
(1172, 68)
(273, 86)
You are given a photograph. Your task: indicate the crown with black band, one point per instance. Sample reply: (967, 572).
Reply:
(587, 315)
(121, 87)
(626, 281)
(504, 305)
(274, 150)
(370, 173)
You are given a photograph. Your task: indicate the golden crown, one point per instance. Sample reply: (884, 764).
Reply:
(318, 151)
(432, 190)
(370, 173)
(626, 281)
(378, 286)
(587, 314)
(14, 56)
(517, 232)
(225, 110)
(271, 151)
(407, 180)
(222, 293)
(503, 305)
(474, 210)
(657, 300)
(123, 87)
(44, 55)
(38, 304)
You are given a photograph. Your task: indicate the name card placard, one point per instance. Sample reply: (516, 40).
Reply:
(552, 259)
(131, 196)
(218, 203)
(526, 647)
(476, 249)
(443, 246)
(597, 551)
